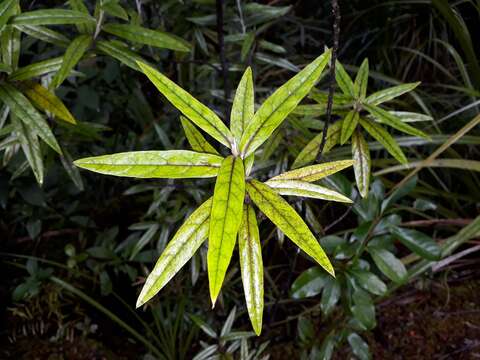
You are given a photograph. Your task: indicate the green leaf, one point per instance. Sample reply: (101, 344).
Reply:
(146, 36)
(47, 101)
(7, 9)
(36, 69)
(247, 45)
(314, 172)
(385, 95)
(10, 44)
(72, 56)
(384, 138)
(179, 250)
(243, 106)
(52, 17)
(361, 81)
(310, 151)
(344, 80)
(31, 148)
(121, 52)
(389, 119)
(288, 221)
(21, 107)
(362, 163)
(363, 309)
(44, 34)
(114, 9)
(418, 242)
(195, 138)
(389, 264)
(330, 295)
(359, 347)
(83, 28)
(277, 107)
(251, 266)
(339, 100)
(193, 109)
(349, 124)
(309, 283)
(370, 282)
(170, 164)
(225, 217)
(306, 189)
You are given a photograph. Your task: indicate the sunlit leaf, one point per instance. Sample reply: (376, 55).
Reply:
(288, 221)
(362, 163)
(349, 125)
(170, 164)
(314, 172)
(277, 107)
(52, 17)
(251, 266)
(179, 250)
(193, 109)
(225, 221)
(306, 189)
(243, 106)
(195, 138)
(385, 95)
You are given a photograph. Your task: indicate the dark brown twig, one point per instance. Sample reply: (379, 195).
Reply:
(223, 60)
(331, 86)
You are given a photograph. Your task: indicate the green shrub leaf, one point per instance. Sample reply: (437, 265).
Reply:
(362, 163)
(389, 264)
(7, 9)
(195, 138)
(359, 346)
(52, 17)
(385, 95)
(314, 172)
(44, 34)
(243, 106)
(361, 81)
(36, 69)
(306, 189)
(309, 283)
(344, 80)
(349, 125)
(418, 242)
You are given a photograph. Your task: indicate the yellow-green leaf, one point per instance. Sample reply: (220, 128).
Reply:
(87, 27)
(389, 119)
(251, 266)
(385, 95)
(225, 219)
(121, 52)
(72, 56)
(314, 172)
(47, 101)
(195, 138)
(288, 221)
(306, 189)
(52, 17)
(384, 138)
(243, 106)
(146, 36)
(362, 163)
(277, 107)
(344, 80)
(189, 237)
(310, 151)
(193, 109)
(24, 110)
(349, 124)
(361, 81)
(7, 9)
(170, 164)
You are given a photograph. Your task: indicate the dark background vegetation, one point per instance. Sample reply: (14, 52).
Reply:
(80, 227)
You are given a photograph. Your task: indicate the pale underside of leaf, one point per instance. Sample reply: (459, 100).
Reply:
(243, 105)
(362, 163)
(277, 107)
(288, 221)
(193, 109)
(251, 265)
(226, 215)
(195, 138)
(189, 237)
(314, 172)
(306, 189)
(170, 164)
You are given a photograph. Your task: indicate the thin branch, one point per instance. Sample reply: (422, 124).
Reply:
(331, 87)
(223, 60)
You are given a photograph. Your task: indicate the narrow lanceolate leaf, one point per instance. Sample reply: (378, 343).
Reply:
(277, 107)
(362, 163)
(288, 221)
(193, 109)
(72, 56)
(84, 28)
(314, 172)
(121, 52)
(52, 17)
(36, 69)
(251, 266)
(195, 138)
(418, 242)
(344, 80)
(306, 189)
(310, 151)
(384, 138)
(389, 265)
(23, 109)
(146, 36)
(389, 119)
(361, 81)
(407, 116)
(44, 34)
(179, 250)
(243, 106)
(7, 9)
(31, 147)
(10, 44)
(349, 124)
(47, 101)
(385, 95)
(225, 216)
(170, 164)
